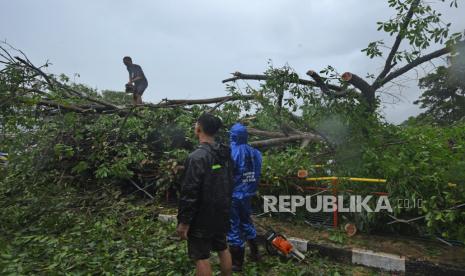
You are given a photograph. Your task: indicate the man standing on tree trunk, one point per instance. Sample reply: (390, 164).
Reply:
(247, 170)
(205, 198)
(137, 80)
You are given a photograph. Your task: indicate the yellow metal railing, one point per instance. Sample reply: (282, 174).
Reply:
(355, 179)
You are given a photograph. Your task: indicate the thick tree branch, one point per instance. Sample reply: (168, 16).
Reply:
(417, 62)
(279, 138)
(389, 65)
(89, 108)
(356, 81)
(367, 91)
(68, 107)
(284, 140)
(241, 76)
(324, 86)
(319, 81)
(217, 105)
(265, 133)
(89, 98)
(166, 102)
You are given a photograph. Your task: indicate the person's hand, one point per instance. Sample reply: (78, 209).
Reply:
(182, 230)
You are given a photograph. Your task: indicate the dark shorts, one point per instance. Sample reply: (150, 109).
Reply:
(200, 248)
(139, 88)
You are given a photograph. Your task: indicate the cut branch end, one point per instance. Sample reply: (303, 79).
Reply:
(347, 76)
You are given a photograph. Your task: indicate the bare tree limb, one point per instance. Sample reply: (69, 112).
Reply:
(68, 107)
(241, 76)
(417, 62)
(279, 138)
(89, 98)
(8, 56)
(319, 81)
(284, 140)
(324, 86)
(86, 107)
(356, 81)
(141, 189)
(167, 102)
(40, 72)
(305, 143)
(264, 133)
(217, 105)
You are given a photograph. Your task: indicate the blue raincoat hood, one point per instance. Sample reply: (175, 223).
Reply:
(238, 134)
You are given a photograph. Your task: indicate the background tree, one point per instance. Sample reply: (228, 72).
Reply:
(444, 95)
(415, 22)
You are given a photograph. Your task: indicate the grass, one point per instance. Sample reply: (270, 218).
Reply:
(118, 238)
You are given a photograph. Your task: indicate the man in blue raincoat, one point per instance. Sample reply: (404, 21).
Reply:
(247, 168)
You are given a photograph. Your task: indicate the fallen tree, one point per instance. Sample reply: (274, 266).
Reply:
(53, 95)
(47, 91)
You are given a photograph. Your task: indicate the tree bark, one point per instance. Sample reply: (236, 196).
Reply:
(265, 133)
(324, 86)
(167, 102)
(241, 76)
(284, 140)
(416, 62)
(365, 88)
(67, 107)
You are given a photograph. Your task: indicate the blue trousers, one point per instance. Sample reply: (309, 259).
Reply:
(242, 228)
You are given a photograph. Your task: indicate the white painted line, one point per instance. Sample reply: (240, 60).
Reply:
(166, 218)
(380, 260)
(300, 244)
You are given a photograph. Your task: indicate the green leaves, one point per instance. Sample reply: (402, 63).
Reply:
(337, 236)
(423, 28)
(102, 172)
(63, 151)
(80, 167)
(444, 93)
(99, 244)
(419, 166)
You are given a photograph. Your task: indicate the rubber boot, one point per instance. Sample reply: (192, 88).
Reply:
(237, 256)
(254, 253)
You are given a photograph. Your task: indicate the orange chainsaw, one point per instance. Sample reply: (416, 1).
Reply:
(278, 244)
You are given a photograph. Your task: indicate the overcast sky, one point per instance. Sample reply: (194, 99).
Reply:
(187, 47)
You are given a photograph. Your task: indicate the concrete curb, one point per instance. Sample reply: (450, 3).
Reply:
(380, 260)
(385, 261)
(167, 218)
(358, 256)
